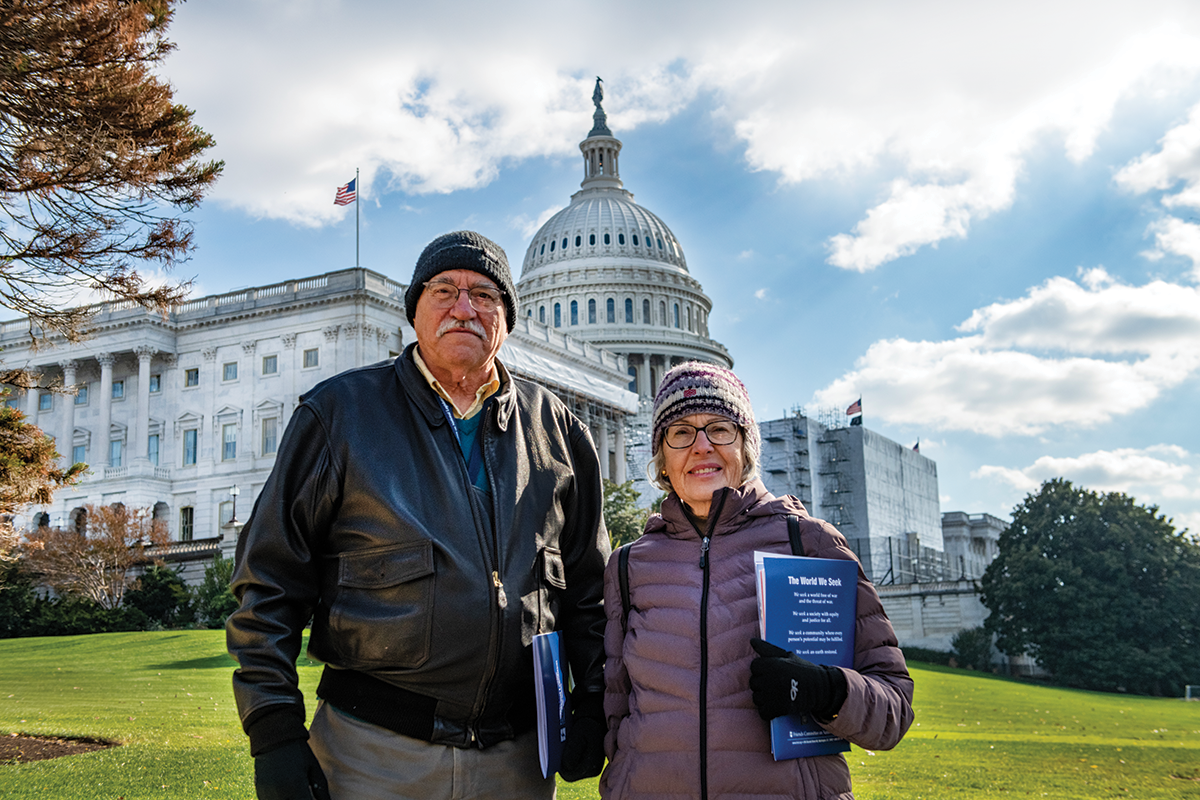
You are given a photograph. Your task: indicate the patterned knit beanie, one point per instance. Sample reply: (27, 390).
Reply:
(463, 250)
(698, 388)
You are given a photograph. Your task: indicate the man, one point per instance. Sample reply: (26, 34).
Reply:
(429, 516)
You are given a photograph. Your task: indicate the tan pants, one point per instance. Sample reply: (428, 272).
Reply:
(365, 762)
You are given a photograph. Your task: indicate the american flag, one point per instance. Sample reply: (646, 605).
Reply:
(855, 408)
(345, 194)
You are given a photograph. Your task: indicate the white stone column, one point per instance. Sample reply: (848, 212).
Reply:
(620, 476)
(31, 403)
(66, 437)
(288, 365)
(106, 379)
(602, 448)
(211, 378)
(331, 336)
(247, 439)
(141, 436)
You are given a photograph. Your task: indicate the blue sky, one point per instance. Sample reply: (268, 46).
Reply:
(983, 220)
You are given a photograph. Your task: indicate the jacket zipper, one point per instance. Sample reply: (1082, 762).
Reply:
(705, 567)
(498, 596)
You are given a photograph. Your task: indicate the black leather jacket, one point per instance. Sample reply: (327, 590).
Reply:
(368, 527)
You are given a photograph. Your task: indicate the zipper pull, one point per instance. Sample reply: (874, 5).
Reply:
(501, 597)
(703, 552)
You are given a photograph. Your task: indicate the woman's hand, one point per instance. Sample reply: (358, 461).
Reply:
(783, 683)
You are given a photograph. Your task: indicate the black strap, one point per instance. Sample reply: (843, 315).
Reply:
(794, 535)
(623, 582)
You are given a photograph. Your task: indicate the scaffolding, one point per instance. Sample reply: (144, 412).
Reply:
(836, 485)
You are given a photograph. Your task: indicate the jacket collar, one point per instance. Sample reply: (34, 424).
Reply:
(423, 397)
(751, 499)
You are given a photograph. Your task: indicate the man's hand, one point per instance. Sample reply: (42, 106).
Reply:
(583, 751)
(290, 772)
(784, 683)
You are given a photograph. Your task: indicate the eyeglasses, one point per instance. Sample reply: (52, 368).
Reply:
(482, 298)
(681, 436)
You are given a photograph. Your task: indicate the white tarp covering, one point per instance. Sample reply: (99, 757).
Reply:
(521, 359)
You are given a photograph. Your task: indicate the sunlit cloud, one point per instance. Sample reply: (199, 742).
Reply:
(1161, 475)
(1066, 355)
(423, 104)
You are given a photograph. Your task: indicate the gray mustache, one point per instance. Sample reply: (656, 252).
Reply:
(469, 325)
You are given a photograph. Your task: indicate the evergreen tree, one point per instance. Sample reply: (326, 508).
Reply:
(95, 158)
(163, 596)
(622, 516)
(1103, 593)
(214, 597)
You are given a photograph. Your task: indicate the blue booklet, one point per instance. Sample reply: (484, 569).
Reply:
(807, 606)
(553, 699)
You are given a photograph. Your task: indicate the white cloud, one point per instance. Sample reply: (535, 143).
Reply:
(949, 96)
(528, 227)
(1064, 355)
(1163, 475)
(1177, 160)
(759, 294)
(1173, 235)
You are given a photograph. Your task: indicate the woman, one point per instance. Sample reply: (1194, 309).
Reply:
(686, 697)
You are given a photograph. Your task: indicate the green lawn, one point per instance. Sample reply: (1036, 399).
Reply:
(166, 697)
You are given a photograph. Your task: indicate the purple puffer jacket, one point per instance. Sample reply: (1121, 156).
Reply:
(653, 672)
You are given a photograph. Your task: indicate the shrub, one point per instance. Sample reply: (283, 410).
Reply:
(73, 615)
(973, 648)
(163, 596)
(214, 597)
(17, 600)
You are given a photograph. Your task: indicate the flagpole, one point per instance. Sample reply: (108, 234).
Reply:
(357, 191)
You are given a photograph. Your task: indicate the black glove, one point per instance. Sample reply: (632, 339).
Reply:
(583, 751)
(784, 683)
(290, 772)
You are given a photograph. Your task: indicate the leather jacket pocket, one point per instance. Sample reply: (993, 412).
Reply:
(554, 580)
(553, 569)
(383, 614)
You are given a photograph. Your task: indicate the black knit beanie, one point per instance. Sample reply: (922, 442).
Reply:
(463, 250)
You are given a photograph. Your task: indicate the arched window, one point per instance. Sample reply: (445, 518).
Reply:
(606, 239)
(578, 240)
(542, 315)
(557, 315)
(662, 313)
(544, 249)
(611, 309)
(564, 244)
(646, 312)
(551, 247)
(629, 310)
(591, 312)
(660, 244)
(574, 312)
(635, 240)
(620, 238)
(592, 239)
(633, 379)
(689, 320)
(677, 315)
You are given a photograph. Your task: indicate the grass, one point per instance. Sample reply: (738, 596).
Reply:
(166, 697)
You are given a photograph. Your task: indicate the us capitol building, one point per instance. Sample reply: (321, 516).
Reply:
(183, 413)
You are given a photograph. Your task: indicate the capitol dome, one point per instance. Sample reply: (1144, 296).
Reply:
(612, 273)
